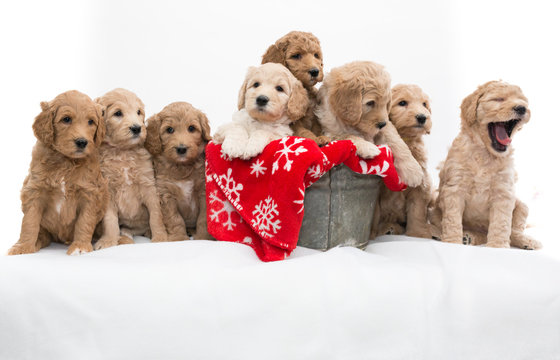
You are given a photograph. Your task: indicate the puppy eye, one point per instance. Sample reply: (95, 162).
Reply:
(425, 105)
(279, 88)
(67, 120)
(296, 56)
(170, 130)
(91, 122)
(139, 112)
(316, 55)
(498, 99)
(404, 103)
(191, 129)
(256, 85)
(118, 113)
(370, 103)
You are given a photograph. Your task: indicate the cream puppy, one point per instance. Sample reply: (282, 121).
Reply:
(270, 99)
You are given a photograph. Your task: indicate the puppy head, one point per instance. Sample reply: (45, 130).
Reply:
(179, 132)
(495, 112)
(124, 118)
(71, 124)
(301, 53)
(410, 111)
(359, 94)
(270, 93)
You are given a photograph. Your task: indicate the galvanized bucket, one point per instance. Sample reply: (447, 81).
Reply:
(339, 210)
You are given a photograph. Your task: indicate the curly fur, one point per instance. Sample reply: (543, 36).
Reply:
(65, 195)
(177, 137)
(134, 207)
(476, 202)
(301, 53)
(406, 211)
(354, 103)
(254, 125)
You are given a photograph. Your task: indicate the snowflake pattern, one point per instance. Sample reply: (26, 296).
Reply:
(257, 168)
(264, 215)
(226, 207)
(375, 169)
(231, 188)
(286, 151)
(315, 171)
(300, 202)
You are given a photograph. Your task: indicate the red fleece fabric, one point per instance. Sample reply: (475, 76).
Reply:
(259, 202)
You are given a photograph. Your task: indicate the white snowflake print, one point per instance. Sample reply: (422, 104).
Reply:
(387, 149)
(247, 240)
(300, 202)
(286, 151)
(257, 168)
(230, 187)
(315, 171)
(225, 156)
(264, 215)
(374, 169)
(226, 207)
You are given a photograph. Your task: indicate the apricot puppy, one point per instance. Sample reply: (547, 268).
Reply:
(134, 207)
(64, 196)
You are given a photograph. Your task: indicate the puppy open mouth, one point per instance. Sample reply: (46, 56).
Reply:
(500, 134)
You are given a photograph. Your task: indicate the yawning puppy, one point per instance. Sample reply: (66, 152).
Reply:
(134, 207)
(65, 195)
(406, 211)
(269, 100)
(477, 202)
(354, 103)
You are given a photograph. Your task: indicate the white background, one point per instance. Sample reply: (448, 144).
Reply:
(167, 51)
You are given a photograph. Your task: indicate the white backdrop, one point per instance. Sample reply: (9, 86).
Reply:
(198, 52)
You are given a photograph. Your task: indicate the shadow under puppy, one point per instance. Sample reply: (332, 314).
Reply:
(269, 100)
(476, 202)
(354, 103)
(65, 195)
(177, 138)
(301, 53)
(405, 212)
(134, 207)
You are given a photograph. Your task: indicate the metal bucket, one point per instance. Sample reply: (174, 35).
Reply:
(339, 210)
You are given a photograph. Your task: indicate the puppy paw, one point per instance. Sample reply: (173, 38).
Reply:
(366, 150)
(254, 147)
(458, 239)
(79, 249)
(526, 242)
(232, 149)
(20, 249)
(467, 239)
(105, 242)
(497, 244)
(177, 237)
(419, 233)
(322, 140)
(125, 240)
(410, 172)
(160, 238)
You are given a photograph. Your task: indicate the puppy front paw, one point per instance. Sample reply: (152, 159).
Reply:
(254, 147)
(22, 248)
(232, 149)
(79, 249)
(160, 238)
(322, 140)
(410, 172)
(105, 242)
(365, 149)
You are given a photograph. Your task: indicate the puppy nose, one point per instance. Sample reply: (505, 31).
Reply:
(135, 129)
(520, 109)
(81, 143)
(421, 118)
(381, 125)
(181, 149)
(314, 72)
(262, 100)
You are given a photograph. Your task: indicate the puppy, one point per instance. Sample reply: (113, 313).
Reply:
(65, 195)
(476, 202)
(134, 207)
(269, 100)
(177, 137)
(301, 53)
(354, 103)
(406, 211)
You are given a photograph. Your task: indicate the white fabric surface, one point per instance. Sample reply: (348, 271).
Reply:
(402, 298)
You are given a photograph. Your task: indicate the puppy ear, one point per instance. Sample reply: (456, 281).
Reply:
(469, 107)
(153, 140)
(243, 89)
(345, 100)
(276, 53)
(43, 124)
(101, 127)
(298, 101)
(205, 126)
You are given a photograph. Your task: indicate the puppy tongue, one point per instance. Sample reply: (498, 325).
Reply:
(501, 133)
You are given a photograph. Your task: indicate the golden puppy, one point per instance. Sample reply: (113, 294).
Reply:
(64, 196)
(134, 207)
(354, 103)
(177, 137)
(406, 211)
(301, 53)
(476, 202)
(269, 100)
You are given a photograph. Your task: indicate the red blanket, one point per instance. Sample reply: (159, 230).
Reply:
(259, 202)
